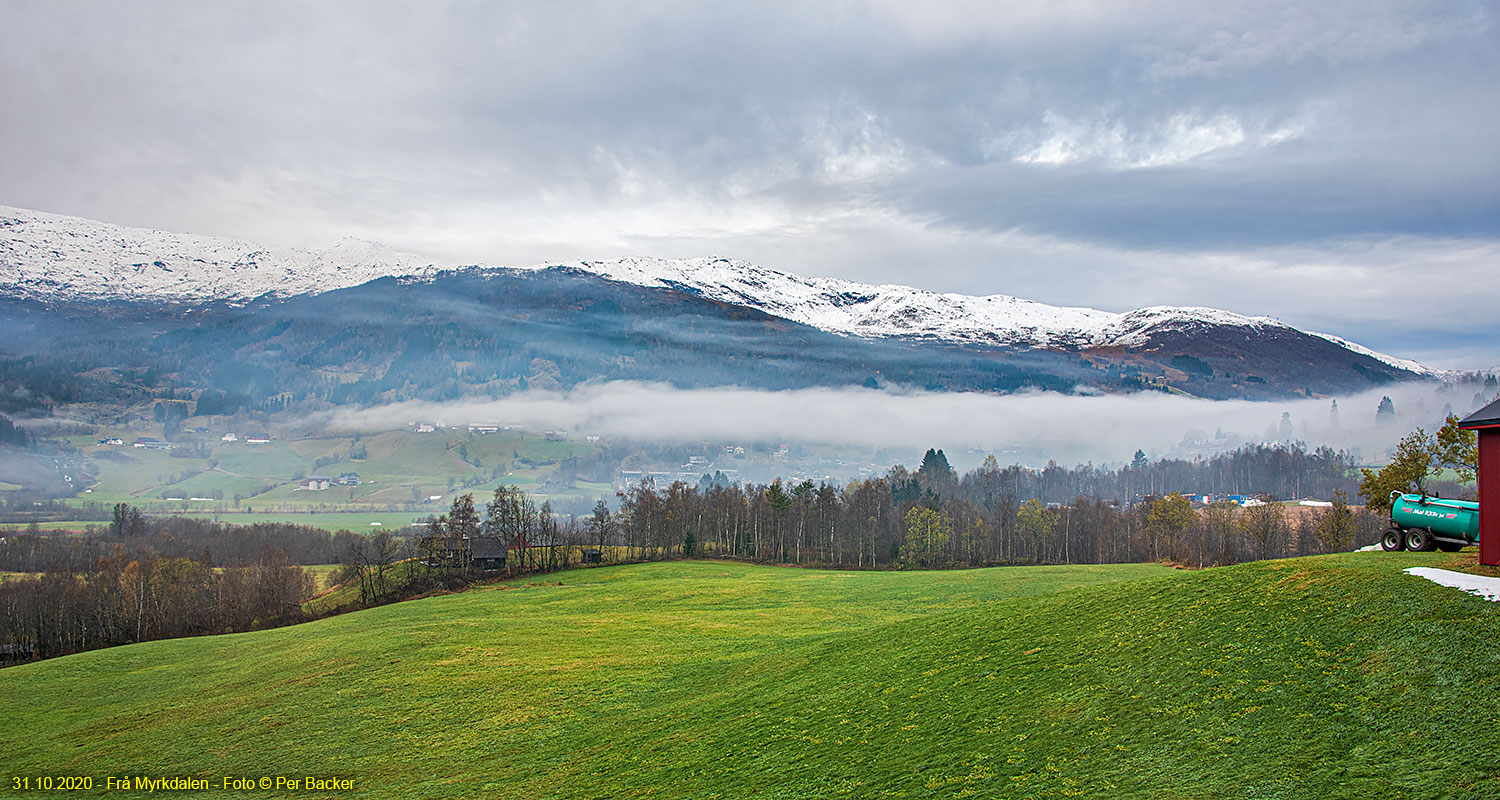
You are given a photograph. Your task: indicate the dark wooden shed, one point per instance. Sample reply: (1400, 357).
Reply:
(1487, 422)
(487, 553)
(592, 555)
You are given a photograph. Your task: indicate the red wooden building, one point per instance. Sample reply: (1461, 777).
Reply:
(1487, 422)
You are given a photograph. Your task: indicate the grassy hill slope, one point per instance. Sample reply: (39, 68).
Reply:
(1326, 677)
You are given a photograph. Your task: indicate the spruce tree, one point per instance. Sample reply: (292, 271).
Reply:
(1385, 413)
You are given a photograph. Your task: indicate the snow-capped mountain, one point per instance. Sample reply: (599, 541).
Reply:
(50, 256)
(54, 257)
(858, 309)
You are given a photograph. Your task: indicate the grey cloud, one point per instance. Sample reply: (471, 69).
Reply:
(985, 146)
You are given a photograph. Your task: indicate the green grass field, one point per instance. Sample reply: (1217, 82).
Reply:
(73, 527)
(327, 520)
(1335, 676)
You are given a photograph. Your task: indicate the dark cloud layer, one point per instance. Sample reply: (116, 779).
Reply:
(1264, 156)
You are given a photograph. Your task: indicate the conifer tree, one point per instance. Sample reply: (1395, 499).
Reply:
(1385, 413)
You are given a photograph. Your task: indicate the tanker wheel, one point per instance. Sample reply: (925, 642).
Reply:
(1419, 540)
(1392, 539)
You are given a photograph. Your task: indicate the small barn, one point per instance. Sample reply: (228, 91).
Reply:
(592, 555)
(487, 553)
(315, 483)
(1486, 421)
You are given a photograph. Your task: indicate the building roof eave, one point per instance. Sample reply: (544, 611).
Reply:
(1487, 417)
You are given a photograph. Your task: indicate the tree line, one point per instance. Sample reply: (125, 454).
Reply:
(135, 535)
(121, 599)
(931, 518)
(147, 578)
(1282, 470)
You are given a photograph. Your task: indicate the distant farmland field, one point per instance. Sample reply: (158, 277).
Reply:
(244, 483)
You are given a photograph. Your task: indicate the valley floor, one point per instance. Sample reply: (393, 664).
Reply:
(1334, 676)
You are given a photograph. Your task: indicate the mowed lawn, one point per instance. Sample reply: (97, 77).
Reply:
(1325, 677)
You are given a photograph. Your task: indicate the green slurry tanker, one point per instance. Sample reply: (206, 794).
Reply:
(1420, 522)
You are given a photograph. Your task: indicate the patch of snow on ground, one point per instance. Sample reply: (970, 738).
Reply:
(1488, 588)
(1369, 548)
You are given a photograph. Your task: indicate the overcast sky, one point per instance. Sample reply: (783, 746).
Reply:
(1333, 164)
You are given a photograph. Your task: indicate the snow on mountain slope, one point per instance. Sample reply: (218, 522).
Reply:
(50, 256)
(1398, 363)
(54, 256)
(859, 309)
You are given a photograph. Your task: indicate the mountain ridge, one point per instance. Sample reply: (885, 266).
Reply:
(858, 309)
(57, 257)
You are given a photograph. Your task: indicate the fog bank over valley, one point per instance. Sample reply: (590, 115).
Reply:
(1028, 428)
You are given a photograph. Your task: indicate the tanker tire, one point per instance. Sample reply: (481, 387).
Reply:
(1419, 540)
(1392, 540)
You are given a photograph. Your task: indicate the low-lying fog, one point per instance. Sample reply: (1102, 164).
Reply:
(1025, 428)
